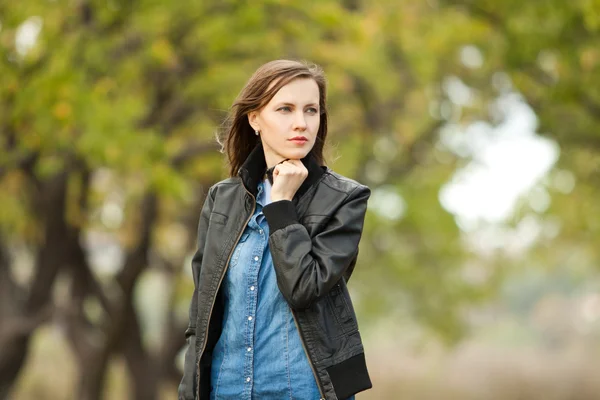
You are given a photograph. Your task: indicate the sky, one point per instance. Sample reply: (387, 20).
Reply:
(507, 162)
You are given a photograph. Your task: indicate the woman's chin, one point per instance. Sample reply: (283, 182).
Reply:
(296, 154)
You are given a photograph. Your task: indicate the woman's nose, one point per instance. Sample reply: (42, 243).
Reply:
(299, 121)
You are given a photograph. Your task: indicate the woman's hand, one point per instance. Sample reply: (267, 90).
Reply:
(287, 178)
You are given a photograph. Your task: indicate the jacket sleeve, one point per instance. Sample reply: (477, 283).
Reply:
(187, 387)
(308, 268)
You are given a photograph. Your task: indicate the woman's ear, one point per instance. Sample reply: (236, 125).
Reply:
(253, 120)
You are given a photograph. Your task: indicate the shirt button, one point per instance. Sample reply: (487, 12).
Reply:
(256, 258)
(251, 287)
(249, 349)
(248, 379)
(261, 231)
(249, 318)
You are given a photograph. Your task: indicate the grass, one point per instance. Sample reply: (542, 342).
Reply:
(474, 370)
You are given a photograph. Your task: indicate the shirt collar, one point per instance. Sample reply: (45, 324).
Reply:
(261, 193)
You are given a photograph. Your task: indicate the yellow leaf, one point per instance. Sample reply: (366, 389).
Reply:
(62, 110)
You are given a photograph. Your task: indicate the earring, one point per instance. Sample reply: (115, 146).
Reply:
(256, 132)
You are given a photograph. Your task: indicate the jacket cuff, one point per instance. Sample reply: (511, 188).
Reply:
(280, 214)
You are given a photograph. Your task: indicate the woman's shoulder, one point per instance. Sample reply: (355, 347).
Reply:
(225, 183)
(234, 180)
(342, 183)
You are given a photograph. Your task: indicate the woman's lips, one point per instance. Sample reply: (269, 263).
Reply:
(299, 140)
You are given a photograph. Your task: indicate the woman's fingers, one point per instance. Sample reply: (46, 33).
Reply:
(290, 168)
(287, 178)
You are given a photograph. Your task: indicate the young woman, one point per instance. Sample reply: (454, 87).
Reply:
(270, 316)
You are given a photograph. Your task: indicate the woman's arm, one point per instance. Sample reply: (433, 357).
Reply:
(308, 268)
(187, 387)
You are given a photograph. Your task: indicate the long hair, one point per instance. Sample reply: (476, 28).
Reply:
(237, 137)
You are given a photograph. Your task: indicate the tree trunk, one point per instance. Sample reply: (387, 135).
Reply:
(92, 376)
(21, 315)
(13, 353)
(143, 372)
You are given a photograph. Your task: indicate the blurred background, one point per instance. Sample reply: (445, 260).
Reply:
(475, 123)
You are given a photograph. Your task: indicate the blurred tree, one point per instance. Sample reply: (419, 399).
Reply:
(107, 115)
(548, 54)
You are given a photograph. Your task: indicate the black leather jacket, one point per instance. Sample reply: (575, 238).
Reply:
(314, 244)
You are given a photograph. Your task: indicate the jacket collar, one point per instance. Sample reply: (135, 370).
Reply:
(253, 170)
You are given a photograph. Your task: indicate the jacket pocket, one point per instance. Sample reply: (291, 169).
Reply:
(332, 327)
(341, 309)
(218, 218)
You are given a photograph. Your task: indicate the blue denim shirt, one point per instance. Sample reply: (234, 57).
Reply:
(259, 354)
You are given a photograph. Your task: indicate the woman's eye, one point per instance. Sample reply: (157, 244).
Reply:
(285, 108)
(312, 110)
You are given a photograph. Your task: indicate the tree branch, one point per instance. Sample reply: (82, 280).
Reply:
(414, 151)
(193, 151)
(51, 208)
(137, 259)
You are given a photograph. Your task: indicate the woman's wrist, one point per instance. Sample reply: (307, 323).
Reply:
(281, 196)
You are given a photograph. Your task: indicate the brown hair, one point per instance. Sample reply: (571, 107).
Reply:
(238, 138)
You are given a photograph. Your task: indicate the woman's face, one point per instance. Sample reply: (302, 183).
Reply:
(289, 123)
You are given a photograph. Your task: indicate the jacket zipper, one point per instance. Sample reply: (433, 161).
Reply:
(307, 355)
(212, 306)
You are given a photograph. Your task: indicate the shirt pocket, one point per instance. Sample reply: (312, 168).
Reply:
(238, 250)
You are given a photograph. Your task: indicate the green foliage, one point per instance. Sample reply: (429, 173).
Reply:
(126, 87)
